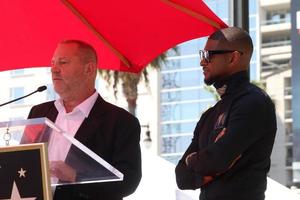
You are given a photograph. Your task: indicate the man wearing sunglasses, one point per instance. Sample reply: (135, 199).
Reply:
(229, 156)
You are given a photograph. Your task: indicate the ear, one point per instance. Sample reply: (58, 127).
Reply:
(235, 58)
(90, 68)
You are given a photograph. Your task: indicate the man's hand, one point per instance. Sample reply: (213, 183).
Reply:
(207, 179)
(62, 171)
(188, 158)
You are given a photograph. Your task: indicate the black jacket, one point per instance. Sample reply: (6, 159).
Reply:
(248, 114)
(114, 135)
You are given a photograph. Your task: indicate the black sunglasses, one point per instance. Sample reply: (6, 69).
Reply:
(206, 54)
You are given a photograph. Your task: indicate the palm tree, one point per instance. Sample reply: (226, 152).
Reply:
(130, 81)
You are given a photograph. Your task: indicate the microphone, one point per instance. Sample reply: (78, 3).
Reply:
(39, 89)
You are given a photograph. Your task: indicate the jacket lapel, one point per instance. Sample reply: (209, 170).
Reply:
(90, 125)
(52, 114)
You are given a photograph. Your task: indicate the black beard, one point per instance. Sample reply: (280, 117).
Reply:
(209, 81)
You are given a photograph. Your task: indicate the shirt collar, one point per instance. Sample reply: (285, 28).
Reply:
(84, 107)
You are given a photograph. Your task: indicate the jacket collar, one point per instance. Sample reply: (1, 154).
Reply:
(232, 82)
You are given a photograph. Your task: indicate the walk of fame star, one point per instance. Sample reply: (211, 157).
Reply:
(22, 173)
(15, 195)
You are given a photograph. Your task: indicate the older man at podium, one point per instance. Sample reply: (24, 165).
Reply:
(109, 131)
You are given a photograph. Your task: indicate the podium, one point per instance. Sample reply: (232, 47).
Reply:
(25, 160)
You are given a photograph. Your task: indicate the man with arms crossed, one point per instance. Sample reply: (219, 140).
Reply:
(229, 156)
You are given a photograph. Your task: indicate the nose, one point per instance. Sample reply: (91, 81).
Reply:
(203, 62)
(54, 68)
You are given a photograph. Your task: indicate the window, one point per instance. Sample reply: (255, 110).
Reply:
(276, 41)
(179, 79)
(15, 93)
(178, 127)
(175, 144)
(184, 110)
(18, 72)
(278, 16)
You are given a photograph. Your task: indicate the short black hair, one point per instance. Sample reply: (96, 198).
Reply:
(236, 38)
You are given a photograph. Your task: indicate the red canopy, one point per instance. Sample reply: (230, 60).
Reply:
(127, 35)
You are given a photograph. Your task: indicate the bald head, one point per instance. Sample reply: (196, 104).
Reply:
(234, 38)
(87, 52)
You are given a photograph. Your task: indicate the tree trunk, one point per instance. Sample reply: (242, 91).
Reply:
(131, 105)
(130, 90)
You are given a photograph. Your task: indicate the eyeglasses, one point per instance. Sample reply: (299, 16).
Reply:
(206, 54)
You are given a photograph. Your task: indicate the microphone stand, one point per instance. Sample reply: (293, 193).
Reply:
(40, 89)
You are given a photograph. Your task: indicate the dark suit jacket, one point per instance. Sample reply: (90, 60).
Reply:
(113, 134)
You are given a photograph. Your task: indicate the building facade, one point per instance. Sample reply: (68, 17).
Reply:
(276, 73)
(295, 38)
